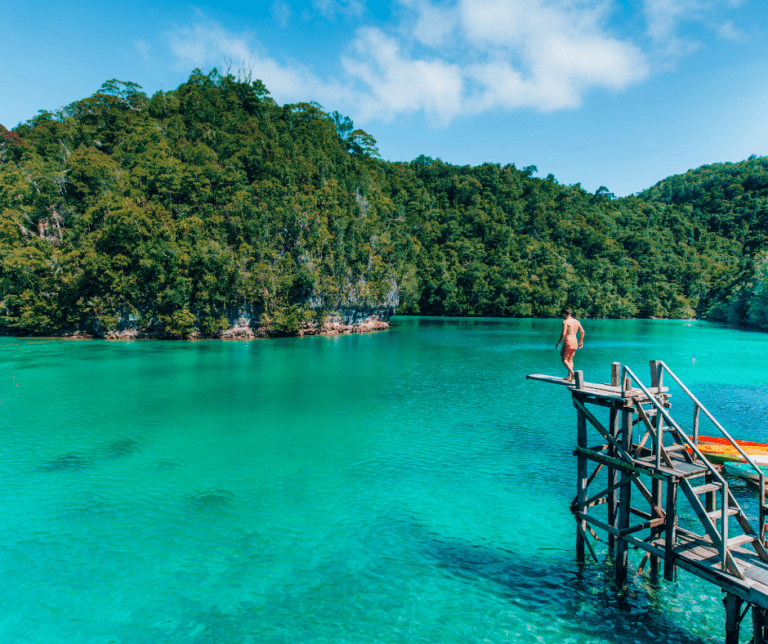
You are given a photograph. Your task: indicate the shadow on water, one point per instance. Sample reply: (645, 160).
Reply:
(124, 447)
(67, 463)
(212, 500)
(585, 596)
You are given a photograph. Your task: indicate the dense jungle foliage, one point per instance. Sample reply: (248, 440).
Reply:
(175, 210)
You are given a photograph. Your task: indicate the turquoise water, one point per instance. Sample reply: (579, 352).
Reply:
(405, 486)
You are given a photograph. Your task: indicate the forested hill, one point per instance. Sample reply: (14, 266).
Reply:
(179, 211)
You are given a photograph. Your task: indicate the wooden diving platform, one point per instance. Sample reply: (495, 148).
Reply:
(640, 448)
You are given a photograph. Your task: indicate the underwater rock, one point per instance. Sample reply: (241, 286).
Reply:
(66, 462)
(213, 499)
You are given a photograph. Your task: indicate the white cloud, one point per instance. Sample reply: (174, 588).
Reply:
(453, 58)
(208, 44)
(142, 47)
(665, 18)
(729, 31)
(332, 8)
(395, 84)
(526, 53)
(281, 12)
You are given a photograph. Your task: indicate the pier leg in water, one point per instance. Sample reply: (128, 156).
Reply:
(758, 625)
(614, 428)
(625, 497)
(656, 486)
(732, 605)
(581, 484)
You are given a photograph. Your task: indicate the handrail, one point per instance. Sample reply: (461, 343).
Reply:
(724, 485)
(722, 429)
(672, 422)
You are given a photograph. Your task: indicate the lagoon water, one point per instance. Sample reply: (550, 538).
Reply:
(405, 486)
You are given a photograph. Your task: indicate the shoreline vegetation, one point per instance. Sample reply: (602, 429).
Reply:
(211, 211)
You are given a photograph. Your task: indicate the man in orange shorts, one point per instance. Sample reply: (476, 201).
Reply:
(571, 326)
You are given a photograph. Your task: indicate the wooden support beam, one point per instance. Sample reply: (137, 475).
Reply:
(613, 428)
(622, 556)
(656, 492)
(670, 536)
(581, 483)
(758, 625)
(732, 605)
(623, 453)
(625, 481)
(653, 523)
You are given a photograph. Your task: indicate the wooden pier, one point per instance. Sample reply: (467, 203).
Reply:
(654, 466)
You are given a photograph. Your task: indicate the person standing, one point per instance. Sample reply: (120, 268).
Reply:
(571, 326)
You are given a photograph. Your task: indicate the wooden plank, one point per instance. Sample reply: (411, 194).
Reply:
(550, 379)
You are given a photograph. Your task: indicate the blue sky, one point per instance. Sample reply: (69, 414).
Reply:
(621, 93)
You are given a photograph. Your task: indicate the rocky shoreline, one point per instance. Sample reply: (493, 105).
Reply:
(244, 323)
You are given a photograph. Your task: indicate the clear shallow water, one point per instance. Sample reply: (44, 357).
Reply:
(407, 486)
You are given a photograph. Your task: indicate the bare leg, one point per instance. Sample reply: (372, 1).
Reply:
(568, 362)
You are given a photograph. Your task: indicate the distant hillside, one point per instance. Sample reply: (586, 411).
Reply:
(731, 201)
(180, 212)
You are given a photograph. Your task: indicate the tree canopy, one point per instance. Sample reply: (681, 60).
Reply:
(175, 210)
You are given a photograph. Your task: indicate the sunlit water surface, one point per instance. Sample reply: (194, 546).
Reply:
(406, 486)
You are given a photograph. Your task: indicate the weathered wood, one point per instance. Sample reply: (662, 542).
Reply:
(655, 373)
(578, 379)
(608, 490)
(727, 564)
(625, 456)
(639, 543)
(625, 497)
(589, 545)
(758, 626)
(653, 523)
(671, 530)
(732, 605)
(656, 491)
(696, 424)
(614, 428)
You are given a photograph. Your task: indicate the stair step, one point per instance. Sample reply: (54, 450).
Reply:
(742, 538)
(708, 487)
(719, 513)
(675, 448)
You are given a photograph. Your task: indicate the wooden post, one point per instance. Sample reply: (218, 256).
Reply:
(696, 425)
(732, 605)
(671, 533)
(578, 379)
(656, 487)
(654, 373)
(614, 428)
(581, 483)
(758, 625)
(625, 497)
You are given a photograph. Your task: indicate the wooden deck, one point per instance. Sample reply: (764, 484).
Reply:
(644, 450)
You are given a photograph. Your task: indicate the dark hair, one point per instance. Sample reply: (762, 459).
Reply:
(565, 311)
